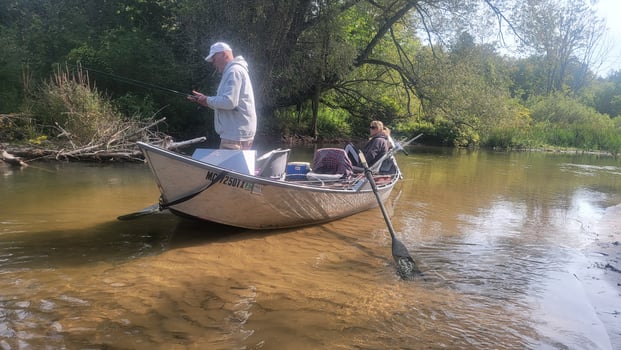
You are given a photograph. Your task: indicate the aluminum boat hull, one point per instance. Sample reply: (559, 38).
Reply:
(209, 192)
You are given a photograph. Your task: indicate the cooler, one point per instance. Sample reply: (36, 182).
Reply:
(297, 170)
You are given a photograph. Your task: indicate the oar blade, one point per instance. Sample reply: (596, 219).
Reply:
(406, 267)
(146, 211)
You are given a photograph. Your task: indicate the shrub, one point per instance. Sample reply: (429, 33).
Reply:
(69, 105)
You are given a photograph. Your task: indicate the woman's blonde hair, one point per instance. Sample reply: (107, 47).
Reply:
(379, 125)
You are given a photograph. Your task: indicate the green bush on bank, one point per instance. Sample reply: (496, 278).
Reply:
(560, 122)
(331, 123)
(564, 122)
(502, 138)
(66, 104)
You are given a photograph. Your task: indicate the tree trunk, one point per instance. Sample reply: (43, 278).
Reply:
(315, 102)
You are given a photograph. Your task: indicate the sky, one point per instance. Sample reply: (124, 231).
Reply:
(611, 11)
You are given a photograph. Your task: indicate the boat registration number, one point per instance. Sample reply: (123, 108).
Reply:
(230, 181)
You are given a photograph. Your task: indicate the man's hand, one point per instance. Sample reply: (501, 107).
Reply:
(199, 98)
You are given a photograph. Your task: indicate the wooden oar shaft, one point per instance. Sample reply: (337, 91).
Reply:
(369, 176)
(406, 267)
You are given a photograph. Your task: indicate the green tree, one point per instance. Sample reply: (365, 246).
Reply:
(316, 48)
(606, 95)
(565, 34)
(468, 93)
(344, 61)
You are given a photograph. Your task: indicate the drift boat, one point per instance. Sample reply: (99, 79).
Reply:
(232, 188)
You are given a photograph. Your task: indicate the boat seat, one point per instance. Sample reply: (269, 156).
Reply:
(332, 161)
(273, 164)
(387, 167)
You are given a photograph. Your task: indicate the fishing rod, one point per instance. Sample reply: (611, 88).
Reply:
(135, 82)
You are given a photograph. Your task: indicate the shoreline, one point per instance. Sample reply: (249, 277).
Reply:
(21, 154)
(601, 279)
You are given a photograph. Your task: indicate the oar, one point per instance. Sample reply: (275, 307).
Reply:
(152, 209)
(406, 267)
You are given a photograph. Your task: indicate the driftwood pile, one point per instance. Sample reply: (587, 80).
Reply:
(118, 144)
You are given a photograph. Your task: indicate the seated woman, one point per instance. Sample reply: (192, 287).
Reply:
(375, 148)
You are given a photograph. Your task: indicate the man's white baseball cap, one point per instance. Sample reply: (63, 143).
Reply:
(215, 48)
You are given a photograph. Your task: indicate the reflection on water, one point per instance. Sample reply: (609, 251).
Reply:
(504, 241)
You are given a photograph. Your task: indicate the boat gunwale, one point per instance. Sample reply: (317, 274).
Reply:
(349, 187)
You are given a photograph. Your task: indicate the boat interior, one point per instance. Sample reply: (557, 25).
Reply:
(331, 166)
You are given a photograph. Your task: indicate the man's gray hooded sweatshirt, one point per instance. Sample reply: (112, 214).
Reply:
(235, 115)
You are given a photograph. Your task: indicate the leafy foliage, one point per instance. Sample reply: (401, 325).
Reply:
(67, 102)
(605, 95)
(325, 68)
(564, 122)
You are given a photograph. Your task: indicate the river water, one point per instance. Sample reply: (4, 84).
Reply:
(517, 251)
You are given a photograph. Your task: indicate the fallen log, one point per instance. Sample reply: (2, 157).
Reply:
(13, 160)
(181, 144)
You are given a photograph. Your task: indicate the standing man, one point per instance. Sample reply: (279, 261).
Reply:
(235, 117)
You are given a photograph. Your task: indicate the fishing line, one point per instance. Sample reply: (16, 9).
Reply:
(135, 82)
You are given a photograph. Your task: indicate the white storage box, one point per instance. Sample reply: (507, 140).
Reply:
(240, 161)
